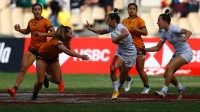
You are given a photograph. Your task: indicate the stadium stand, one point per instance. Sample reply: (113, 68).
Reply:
(17, 12)
(6, 22)
(183, 22)
(152, 29)
(194, 21)
(119, 4)
(77, 22)
(149, 10)
(98, 13)
(86, 14)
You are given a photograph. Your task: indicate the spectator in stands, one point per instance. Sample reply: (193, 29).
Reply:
(179, 7)
(45, 13)
(24, 3)
(88, 3)
(41, 2)
(21, 3)
(107, 4)
(48, 57)
(13, 4)
(64, 15)
(125, 55)
(137, 28)
(75, 6)
(178, 37)
(55, 8)
(65, 5)
(192, 6)
(40, 28)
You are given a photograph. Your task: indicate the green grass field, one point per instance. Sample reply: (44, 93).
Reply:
(101, 83)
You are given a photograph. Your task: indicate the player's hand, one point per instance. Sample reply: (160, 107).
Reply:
(133, 28)
(141, 49)
(88, 25)
(17, 27)
(182, 39)
(114, 41)
(37, 33)
(85, 57)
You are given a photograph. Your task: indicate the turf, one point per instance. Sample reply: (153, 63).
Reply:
(101, 83)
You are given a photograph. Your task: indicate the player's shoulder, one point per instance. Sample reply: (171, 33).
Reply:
(125, 19)
(174, 28)
(45, 19)
(140, 19)
(31, 20)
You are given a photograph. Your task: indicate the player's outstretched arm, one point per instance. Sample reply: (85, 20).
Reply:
(63, 48)
(98, 31)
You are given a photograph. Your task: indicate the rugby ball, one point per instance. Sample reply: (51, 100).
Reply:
(115, 34)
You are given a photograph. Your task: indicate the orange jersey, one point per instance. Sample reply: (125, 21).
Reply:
(50, 50)
(137, 23)
(42, 26)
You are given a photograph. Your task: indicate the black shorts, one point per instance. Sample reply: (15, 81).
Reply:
(34, 52)
(141, 52)
(48, 61)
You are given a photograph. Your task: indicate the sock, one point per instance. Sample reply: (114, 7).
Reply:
(115, 85)
(128, 79)
(164, 89)
(46, 77)
(179, 86)
(16, 88)
(146, 86)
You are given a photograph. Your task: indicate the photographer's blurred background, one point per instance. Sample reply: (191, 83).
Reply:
(74, 13)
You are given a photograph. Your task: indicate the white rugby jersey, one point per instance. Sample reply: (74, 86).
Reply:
(172, 35)
(128, 48)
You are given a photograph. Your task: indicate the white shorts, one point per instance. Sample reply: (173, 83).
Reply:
(187, 56)
(128, 61)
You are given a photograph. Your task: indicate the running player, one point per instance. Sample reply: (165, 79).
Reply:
(125, 55)
(40, 28)
(137, 28)
(48, 57)
(183, 53)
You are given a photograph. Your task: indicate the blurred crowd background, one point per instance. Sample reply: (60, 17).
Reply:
(74, 13)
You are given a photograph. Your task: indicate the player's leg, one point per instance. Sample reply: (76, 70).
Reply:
(140, 69)
(172, 66)
(27, 61)
(41, 70)
(56, 76)
(123, 75)
(116, 63)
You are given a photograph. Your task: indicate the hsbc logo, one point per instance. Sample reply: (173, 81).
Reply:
(155, 63)
(4, 53)
(154, 60)
(94, 54)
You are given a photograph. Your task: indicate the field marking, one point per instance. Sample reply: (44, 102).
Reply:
(88, 98)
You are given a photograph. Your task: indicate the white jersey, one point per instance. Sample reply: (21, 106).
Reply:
(172, 35)
(128, 48)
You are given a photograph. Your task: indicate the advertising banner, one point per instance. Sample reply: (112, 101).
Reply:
(11, 52)
(101, 51)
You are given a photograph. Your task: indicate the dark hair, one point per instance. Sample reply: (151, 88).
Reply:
(114, 15)
(166, 16)
(133, 4)
(36, 5)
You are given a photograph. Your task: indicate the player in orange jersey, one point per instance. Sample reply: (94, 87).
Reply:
(48, 57)
(137, 28)
(40, 28)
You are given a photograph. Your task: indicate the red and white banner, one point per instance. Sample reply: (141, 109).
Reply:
(101, 51)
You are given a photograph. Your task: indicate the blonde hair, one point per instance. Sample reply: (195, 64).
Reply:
(62, 34)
